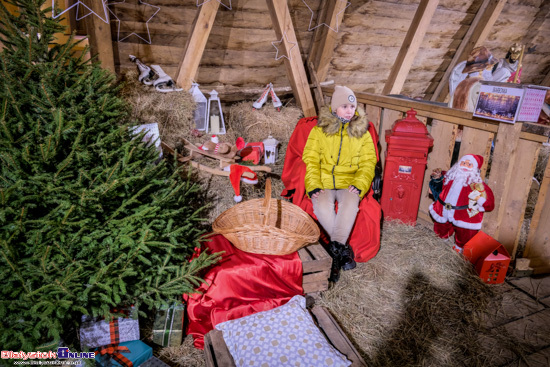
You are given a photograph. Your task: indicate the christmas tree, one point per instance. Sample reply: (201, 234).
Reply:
(90, 219)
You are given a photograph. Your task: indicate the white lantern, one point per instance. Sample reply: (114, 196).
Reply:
(200, 115)
(270, 146)
(215, 123)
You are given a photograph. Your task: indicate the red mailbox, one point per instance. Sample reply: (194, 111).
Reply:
(406, 157)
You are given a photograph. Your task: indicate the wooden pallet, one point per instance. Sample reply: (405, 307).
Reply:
(316, 263)
(216, 353)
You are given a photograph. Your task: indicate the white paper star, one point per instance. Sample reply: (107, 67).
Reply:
(77, 4)
(230, 7)
(329, 27)
(134, 33)
(284, 37)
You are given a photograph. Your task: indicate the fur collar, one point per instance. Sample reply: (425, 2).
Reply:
(330, 124)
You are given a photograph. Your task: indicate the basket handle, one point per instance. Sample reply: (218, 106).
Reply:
(267, 200)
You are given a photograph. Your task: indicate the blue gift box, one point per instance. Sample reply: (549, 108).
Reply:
(138, 354)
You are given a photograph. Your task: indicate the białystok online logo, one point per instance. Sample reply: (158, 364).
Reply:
(62, 353)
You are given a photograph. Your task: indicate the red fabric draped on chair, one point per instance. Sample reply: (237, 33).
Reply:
(365, 235)
(240, 284)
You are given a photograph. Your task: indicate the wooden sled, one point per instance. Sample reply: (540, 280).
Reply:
(194, 151)
(217, 355)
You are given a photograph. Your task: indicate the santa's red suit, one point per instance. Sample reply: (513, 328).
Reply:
(459, 209)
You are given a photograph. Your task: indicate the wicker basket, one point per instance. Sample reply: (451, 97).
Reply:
(267, 226)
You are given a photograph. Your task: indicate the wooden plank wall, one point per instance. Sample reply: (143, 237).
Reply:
(513, 164)
(239, 53)
(373, 32)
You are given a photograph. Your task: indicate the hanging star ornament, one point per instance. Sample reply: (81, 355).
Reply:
(284, 39)
(325, 24)
(199, 3)
(144, 4)
(105, 17)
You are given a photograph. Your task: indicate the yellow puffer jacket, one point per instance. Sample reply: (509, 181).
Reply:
(336, 158)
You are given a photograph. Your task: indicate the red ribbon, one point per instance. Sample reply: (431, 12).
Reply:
(114, 348)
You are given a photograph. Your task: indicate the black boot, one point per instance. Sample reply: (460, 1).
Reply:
(347, 259)
(334, 252)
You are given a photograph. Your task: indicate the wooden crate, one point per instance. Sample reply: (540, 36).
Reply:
(316, 263)
(216, 353)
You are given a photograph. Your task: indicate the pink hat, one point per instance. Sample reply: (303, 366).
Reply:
(240, 173)
(474, 159)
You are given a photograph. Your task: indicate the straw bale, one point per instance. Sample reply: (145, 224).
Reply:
(256, 125)
(172, 111)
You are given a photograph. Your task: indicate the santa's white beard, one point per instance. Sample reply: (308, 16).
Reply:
(462, 177)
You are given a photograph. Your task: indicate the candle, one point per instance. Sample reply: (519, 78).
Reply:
(214, 124)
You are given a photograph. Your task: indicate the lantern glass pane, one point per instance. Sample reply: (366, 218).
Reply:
(200, 116)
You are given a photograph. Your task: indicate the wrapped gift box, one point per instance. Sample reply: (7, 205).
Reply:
(252, 152)
(138, 354)
(96, 333)
(168, 325)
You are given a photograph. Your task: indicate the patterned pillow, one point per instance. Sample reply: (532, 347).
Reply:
(285, 335)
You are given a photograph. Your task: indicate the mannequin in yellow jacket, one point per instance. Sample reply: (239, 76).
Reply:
(340, 159)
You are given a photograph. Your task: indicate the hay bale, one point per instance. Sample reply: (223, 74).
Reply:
(172, 111)
(256, 125)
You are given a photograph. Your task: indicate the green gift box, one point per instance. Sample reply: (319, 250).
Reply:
(168, 325)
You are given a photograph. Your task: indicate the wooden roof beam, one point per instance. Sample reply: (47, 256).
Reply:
(482, 24)
(196, 42)
(325, 39)
(295, 70)
(410, 46)
(99, 36)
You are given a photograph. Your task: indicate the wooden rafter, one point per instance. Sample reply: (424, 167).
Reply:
(282, 23)
(482, 24)
(324, 39)
(196, 42)
(410, 46)
(99, 36)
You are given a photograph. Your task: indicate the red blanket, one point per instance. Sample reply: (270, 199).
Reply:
(240, 285)
(365, 235)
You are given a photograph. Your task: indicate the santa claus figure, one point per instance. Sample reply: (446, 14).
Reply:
(463, 199)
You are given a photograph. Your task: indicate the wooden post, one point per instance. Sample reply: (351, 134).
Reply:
(506, 146)
(388, 118)
(444, 135)
(196, 42)
(475, 141)
(317, 91)
(410, 46)
(282, 23)
(537, 247)
(99, 36)
(373, 115)
(325, 39)
(516, 201)
(482, 24)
